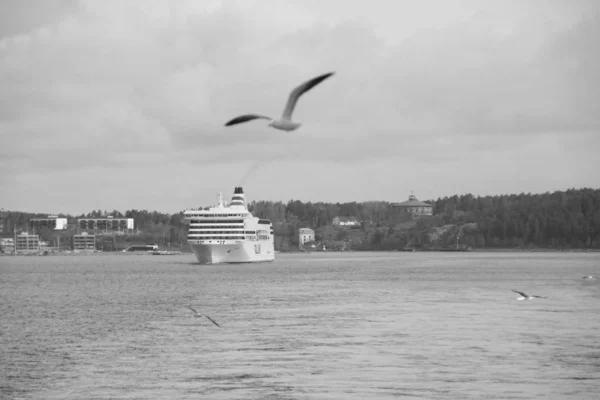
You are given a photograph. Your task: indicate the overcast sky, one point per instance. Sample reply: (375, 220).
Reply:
(119, 104)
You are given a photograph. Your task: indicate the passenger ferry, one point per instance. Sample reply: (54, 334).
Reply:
(229, 233)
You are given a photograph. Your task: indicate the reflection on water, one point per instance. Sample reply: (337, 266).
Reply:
(307, 326)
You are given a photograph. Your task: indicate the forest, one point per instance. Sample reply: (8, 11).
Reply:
(567, 219)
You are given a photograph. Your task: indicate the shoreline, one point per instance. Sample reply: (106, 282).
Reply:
(150, 253)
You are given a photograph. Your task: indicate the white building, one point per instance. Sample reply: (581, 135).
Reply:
(84, 241)
(305, 235)
(105, 224)
(52, 222)
(345, 221)
(26, 242)
(7, 245)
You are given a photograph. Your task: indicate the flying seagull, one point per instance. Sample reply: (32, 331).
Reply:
(198, 315)
(588, 277)
(525, 296)
(285, 123)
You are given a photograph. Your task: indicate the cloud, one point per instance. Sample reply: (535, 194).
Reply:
(23, 16)
(131, 86)
(475, 77)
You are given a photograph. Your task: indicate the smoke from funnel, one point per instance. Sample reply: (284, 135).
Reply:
(253, 167)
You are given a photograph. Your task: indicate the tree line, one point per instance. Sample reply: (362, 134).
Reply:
(561, 219)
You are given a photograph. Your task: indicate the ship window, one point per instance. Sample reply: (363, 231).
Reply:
(222, 221)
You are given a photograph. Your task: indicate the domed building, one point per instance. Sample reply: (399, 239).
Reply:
(412, 206)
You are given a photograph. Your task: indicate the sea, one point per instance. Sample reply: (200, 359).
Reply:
(348, 325)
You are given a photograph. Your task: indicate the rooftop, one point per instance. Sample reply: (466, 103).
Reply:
(412, 202)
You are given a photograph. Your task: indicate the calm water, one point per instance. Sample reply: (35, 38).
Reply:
(307, 326)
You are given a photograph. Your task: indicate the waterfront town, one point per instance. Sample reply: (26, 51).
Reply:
(560, 220)
(58, 233)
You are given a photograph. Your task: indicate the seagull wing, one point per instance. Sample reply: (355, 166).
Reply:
(539, 297)
(212, 320)
(521, 293)
(192, 309)
(299, 91)
(246, 118)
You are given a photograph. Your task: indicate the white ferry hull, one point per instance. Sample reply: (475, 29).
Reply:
(246, 252)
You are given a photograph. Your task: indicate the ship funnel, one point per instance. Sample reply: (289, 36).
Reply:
(238, 198)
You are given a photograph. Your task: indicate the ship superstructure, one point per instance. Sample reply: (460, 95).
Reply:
(229, 233)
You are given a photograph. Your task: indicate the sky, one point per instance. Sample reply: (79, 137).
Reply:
(119, 104)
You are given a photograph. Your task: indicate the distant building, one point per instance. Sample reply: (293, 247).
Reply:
(345, 221)
(26, 242)
(7, 246)
(84, 241)
(305, 235)
(105, 224)
(413, 206)
(52, 222)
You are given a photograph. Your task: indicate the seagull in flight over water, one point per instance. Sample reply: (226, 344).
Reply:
(285, 123)
(198, 315)
(525, 296)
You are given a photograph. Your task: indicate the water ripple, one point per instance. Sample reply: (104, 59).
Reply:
(352, 326)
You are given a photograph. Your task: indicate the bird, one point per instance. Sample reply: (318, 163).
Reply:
(285, 123)
(525, 296)
(198, 315)
(588, 277)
